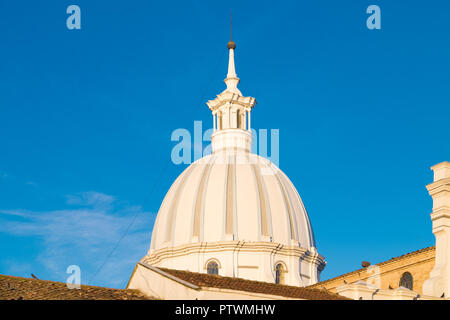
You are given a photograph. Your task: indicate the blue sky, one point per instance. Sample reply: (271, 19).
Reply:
(86, 118)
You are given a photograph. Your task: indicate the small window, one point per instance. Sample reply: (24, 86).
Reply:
(279, 274)
(212, 268)
(406, 281)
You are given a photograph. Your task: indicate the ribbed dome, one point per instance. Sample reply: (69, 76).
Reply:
(232, 196)
(234, 213)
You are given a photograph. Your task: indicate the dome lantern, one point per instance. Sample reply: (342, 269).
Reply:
(231, 112)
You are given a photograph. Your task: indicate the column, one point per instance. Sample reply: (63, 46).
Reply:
(438, 284)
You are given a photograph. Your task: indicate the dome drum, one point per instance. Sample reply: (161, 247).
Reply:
(249, 260)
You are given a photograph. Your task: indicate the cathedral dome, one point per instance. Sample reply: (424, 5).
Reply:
(233, 212)
(232, 196)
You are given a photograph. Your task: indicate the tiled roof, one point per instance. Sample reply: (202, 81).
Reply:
(214, 281)
(17, 288)
(395, 259)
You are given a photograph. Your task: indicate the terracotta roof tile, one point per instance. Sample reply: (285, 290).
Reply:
(17, 288)
(215, 281)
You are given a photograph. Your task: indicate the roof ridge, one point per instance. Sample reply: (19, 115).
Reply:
(21, 288)
(59, 282)
(176, 273)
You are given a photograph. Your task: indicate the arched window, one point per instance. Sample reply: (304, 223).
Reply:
(212, 268)
(406, 281)
(279, 273)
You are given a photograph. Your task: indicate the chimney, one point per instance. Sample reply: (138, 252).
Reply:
(439, 281)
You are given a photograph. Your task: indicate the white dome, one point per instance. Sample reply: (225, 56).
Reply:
(234, 213)
(232, 196)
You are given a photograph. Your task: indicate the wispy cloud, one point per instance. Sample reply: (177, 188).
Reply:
(91, 198)
(84, 234)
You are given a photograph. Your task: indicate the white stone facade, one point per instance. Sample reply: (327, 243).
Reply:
(439, 283)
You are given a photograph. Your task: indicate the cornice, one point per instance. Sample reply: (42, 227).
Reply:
(230, 246)
(439, 186)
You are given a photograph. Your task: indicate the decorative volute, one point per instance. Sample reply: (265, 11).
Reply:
(231, 113)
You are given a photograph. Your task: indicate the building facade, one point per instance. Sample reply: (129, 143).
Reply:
(410, 271)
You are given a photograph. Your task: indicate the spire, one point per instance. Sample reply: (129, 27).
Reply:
(232, 79)
(231, 67)
(231, 112)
